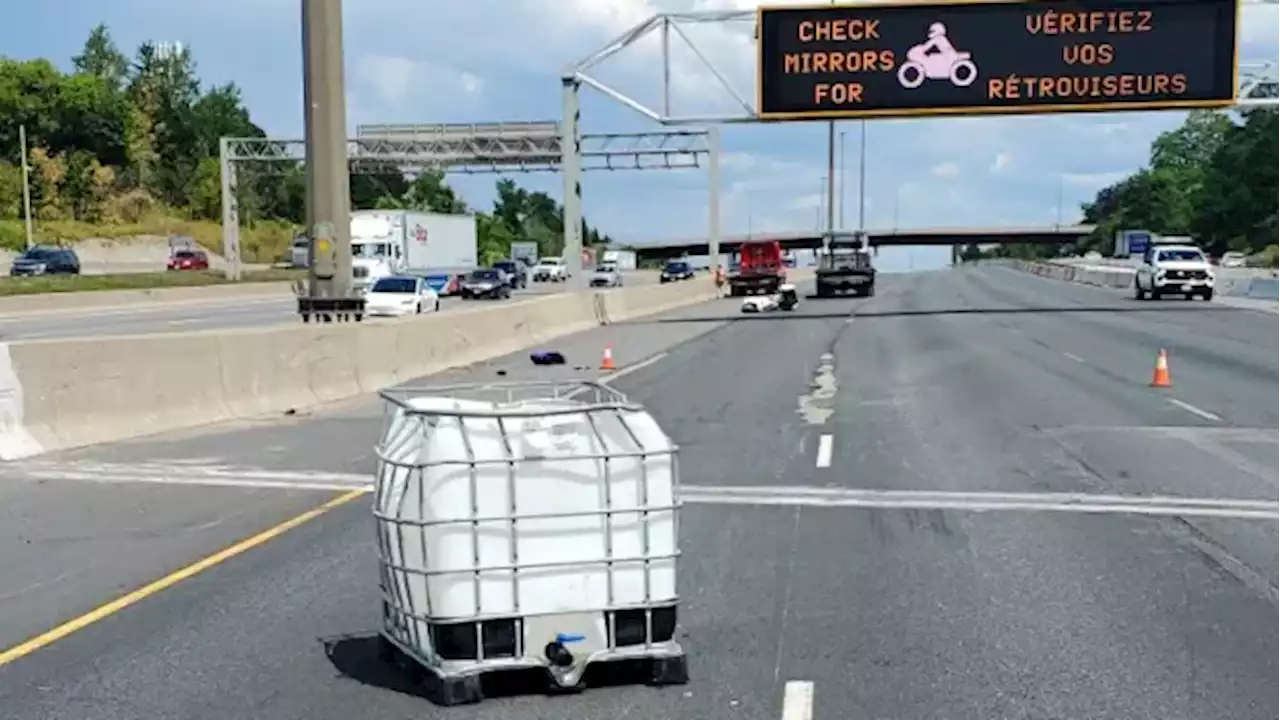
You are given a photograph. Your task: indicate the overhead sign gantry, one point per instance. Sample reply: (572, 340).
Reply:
(994, 57)
(938, 58)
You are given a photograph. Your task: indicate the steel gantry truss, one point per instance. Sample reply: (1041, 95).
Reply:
(1257, 84)
(493, 148)
(524, 147)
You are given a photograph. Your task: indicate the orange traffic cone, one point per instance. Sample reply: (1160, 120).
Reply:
(606, 363)
(1161, 377)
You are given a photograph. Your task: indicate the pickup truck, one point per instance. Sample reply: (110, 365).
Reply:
(1174, 270)
(550, 269)
(845, 267)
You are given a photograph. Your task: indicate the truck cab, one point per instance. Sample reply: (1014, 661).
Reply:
(376, 251)
(760, 268)
(845, 266)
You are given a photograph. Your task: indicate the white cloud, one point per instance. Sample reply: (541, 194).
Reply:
(400, 81)
(390, 77)
(1000, 162)
(946, 171)
(1094, 180)
(807, 202)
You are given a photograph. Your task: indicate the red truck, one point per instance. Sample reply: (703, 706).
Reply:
(761, 269)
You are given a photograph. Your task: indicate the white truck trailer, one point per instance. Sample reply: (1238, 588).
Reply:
(390, 242)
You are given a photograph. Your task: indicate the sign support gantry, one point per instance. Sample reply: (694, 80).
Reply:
(1257, 84)
(483, 148)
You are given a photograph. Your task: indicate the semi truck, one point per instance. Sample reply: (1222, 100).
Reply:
(436, 246)
(525, 251)
(844, 266)
(622, 259)
(760, 269)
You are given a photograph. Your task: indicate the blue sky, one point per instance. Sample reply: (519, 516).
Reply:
(493, 60)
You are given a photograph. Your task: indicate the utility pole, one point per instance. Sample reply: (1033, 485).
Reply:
(844, 183)
(328, 181)
(1060, 189)
(831, 175)
(862, 181)
(26, 183)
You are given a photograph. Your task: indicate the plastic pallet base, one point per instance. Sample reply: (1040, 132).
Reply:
(669, 671)
(468, 689)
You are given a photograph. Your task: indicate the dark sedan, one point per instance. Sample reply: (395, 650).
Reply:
(514, 270)
(485, 284)
(676, 270)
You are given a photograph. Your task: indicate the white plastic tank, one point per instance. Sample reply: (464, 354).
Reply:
(458, 492)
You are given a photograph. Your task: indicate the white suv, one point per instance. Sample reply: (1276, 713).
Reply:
(550, 269)
(1174, 270)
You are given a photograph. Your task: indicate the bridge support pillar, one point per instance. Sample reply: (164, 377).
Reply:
(571, 166)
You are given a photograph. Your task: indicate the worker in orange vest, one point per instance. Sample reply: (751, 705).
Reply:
(720, 277)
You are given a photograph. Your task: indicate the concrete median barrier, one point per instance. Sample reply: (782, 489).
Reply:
(1101, 276)
(64, 393)
(106, 299)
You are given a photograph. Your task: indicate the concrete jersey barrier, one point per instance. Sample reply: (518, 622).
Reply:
(67, 393)
(1113, 277)
(106, 299)
(1234, 285)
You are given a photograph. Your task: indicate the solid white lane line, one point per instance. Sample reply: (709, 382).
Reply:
(797, 700)
(824, 451)
(632, 368)
(623, 372)
(1194, 410)
(1073, 356)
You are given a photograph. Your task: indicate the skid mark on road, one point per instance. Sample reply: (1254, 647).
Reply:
(819, 404)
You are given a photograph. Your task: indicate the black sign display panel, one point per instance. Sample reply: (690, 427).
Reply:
(994, 56)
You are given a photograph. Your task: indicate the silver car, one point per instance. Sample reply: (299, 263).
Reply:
(606, 275)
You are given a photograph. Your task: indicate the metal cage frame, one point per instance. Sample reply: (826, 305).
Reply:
(402, 620)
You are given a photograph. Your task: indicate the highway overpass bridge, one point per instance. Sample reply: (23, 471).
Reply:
(1048, 235)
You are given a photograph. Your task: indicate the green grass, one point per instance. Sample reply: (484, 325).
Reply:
(134, 281)
(264, 242)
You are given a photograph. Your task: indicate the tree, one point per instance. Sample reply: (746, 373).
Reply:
(101, 59)
(1207, 179)
(121, 138)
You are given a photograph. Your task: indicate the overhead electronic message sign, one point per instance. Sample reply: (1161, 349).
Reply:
(994, 56)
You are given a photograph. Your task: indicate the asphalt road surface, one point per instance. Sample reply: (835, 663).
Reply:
(825, 576)
(162, 317)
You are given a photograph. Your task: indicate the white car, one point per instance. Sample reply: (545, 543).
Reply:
(1233, 260)
(550, 270)
(606, 275)
(398, 295)
(1174, 270)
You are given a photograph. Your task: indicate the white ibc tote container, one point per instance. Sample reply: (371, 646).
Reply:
(526, 525)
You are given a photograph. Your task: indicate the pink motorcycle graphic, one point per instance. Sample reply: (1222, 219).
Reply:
(937, 59)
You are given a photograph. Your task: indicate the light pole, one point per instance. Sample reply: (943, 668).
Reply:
(831, 172)
(831, 175)
(26, 183)
(1060, 189)
(823, 182)
(862, 180)
(844, 184)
